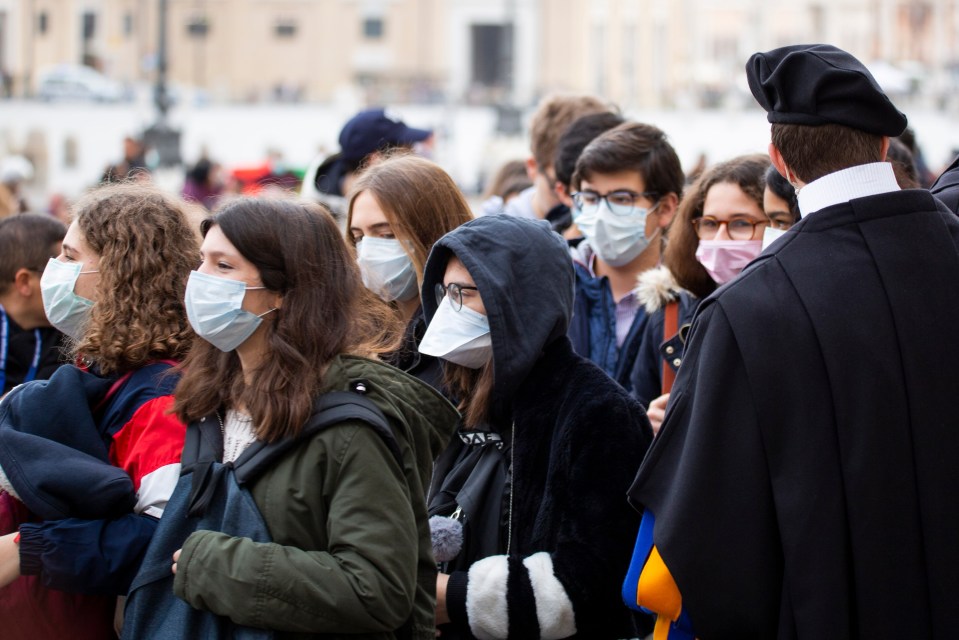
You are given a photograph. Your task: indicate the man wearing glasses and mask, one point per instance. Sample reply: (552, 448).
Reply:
(627, 185)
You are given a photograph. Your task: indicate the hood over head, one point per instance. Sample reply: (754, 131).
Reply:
(524, 274)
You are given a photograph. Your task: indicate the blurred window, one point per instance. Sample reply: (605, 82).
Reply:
(373, 28)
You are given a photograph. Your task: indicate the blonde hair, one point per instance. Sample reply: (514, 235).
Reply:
(552, 117)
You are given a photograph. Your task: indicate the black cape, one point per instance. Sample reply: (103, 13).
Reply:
(946, 187)
(804, 483)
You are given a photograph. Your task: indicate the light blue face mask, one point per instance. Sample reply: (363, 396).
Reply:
(386, 268)
(65, 310)
(214, 309)
(616, 239)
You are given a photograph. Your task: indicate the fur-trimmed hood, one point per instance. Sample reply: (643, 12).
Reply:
(656, 288)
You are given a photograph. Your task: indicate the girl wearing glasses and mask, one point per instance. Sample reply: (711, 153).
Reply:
(398, 209)
(717, 231)
(549, 444)
(292, 519)
(89, 458)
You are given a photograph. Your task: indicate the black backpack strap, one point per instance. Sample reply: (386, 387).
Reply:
(202, 448)
(329, 409)
(203, 443)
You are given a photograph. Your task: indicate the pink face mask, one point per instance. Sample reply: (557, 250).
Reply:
(724, 259)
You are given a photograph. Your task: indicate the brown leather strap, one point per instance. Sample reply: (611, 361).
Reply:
(670, 329)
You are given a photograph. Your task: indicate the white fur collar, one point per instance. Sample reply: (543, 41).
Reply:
(655, 288)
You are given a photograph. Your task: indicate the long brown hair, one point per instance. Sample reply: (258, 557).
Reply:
(326, 311)
(748, 172)
(420, 201)
(146, 250)
(474, 387)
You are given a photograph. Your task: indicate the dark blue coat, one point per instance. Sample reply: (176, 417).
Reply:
(656, 289)
(592, 329)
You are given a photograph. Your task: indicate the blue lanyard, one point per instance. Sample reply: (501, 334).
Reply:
(5, 346)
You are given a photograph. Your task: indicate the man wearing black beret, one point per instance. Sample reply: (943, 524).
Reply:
(805, 480)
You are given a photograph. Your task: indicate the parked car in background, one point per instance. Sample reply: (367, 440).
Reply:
(78, 82)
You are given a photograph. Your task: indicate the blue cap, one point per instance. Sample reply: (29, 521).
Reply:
(374, 129)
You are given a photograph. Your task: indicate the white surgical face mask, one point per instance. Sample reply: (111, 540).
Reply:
(214, 309)
(461, 337)
(770, 235)
(65, 310)
(386, 268)
(615, 239)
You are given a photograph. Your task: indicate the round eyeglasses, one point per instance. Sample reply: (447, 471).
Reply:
(621, 202)
(708, 227)
(454, 292)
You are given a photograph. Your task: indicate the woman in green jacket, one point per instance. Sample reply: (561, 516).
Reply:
(329, 536)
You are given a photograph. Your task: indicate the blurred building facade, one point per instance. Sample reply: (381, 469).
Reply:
(637, 53)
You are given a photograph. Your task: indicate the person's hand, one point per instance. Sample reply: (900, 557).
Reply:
(657, 411)
(9, 559)
(442, 617)
(176, 558)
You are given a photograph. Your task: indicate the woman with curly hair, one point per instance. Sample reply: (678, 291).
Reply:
(89, 458)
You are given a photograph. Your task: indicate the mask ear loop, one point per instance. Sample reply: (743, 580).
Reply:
(791, 180)
(270, 310)
(659, 231)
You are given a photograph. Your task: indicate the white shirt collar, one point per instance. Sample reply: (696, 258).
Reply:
(845, 185)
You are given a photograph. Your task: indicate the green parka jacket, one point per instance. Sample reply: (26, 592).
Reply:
(351, 555)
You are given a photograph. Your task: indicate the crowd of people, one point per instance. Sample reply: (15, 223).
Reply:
(614, 401)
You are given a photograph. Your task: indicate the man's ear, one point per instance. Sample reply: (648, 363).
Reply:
(777, 159)
(563, 194)
(884, 149)
(23, 282)
(532, 169)
(666, 209)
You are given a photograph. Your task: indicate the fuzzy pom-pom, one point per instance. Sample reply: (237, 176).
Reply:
(446, 535)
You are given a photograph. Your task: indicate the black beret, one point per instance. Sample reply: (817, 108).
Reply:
(816, 84)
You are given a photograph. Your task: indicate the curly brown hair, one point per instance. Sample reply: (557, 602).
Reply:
(146, 250)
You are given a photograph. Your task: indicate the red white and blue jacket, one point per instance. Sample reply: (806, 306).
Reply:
(95, 460)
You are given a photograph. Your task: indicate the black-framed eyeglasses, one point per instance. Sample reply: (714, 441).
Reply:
(707, 227)
(454, 292)
(621, 202)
